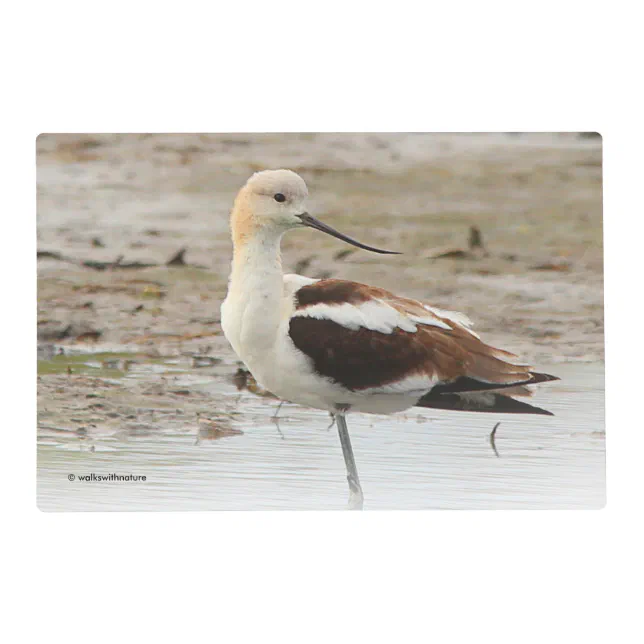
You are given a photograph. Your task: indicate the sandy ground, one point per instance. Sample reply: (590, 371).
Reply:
(534, 287)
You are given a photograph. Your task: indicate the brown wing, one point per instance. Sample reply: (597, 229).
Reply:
(362, 358)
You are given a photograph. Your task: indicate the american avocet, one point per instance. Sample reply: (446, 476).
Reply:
(343, 346)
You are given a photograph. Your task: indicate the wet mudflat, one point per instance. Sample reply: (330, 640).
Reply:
(136, 378)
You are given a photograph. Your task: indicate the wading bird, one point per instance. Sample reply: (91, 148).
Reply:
(342, 346)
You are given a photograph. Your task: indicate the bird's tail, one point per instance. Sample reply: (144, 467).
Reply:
(486, 402)
(470, 394)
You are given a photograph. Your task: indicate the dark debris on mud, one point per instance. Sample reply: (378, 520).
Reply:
(177, 259)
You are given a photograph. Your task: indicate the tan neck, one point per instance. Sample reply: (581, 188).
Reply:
(257, 255)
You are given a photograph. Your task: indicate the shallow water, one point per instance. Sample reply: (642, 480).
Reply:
(422, 459)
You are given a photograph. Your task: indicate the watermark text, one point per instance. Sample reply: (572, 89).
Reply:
(106, 478)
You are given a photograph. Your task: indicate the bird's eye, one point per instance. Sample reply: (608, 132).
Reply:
(279, 197)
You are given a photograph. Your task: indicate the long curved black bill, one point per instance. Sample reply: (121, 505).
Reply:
(312, 222)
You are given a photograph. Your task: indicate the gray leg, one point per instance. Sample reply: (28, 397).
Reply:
(277, 411)
(275, 419)
(356, 498)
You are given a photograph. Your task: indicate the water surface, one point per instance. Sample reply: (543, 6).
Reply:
(422, 459)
